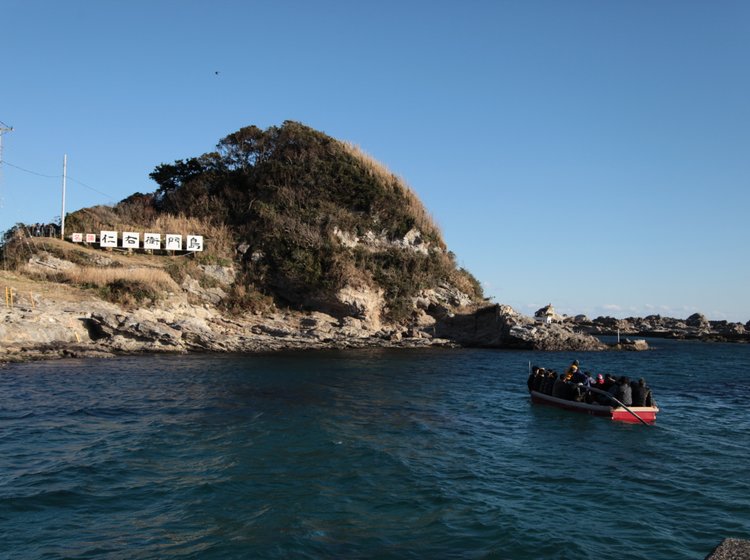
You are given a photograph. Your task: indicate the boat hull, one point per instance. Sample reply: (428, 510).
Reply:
(618, 414)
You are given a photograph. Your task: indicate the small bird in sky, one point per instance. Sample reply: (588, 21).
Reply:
(217, 72)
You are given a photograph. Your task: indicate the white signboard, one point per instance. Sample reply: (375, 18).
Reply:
(152, 241)
(194, 243)
(90, 238)
(108, 239)
(77, 238)
(130, 240)
(174, 242)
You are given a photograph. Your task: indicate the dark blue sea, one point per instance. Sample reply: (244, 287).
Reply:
(369, 454)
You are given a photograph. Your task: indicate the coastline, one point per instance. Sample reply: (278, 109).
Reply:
(99, 329)
(54, 321)
(49, 320)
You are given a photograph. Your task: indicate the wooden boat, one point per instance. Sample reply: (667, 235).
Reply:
(643, 414)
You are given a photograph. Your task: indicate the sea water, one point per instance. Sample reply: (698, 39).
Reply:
(369, 454)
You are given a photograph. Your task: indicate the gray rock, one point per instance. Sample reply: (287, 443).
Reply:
(499, 326)
(697, 320)
(209, 295)
(45, 263)
(224, 275)
(157, 332)
(731, 549)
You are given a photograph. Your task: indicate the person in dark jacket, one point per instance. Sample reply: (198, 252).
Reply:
(641, 393)
(635, 390)
(622, 391)
(550, 382)
(539, 380)
(560, 388)
(579, 377)
(533, 375)
(609, 381)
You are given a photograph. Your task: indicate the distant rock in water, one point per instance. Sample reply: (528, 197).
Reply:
(696, 326)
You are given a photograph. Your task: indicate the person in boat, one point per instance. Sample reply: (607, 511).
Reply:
(573, 367)
(579, 377)
(533, 375)
(539, 380)
(592, 397)
(549, 383)
(609, 381)
(622, 391)
(560, 388)
(551, 380)
(579, 384)
(641, 393)
(569, 392)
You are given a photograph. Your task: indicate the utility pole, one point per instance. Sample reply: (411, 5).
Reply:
(3, 129)
(62, 213)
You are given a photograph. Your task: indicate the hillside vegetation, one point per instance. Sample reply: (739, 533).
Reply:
(299, 215)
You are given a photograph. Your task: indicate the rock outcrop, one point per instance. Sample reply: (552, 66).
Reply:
(499, 326)
(695, 327)
(79, 325)
(731, 549)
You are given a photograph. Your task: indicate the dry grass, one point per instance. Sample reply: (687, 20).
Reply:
(127, 286)
(152, 278)
(425, 222)
(218, 239)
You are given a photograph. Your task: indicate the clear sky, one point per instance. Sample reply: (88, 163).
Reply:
(590, 154)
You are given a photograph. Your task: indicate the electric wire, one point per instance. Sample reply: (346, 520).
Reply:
(90, 188)
(5, 162)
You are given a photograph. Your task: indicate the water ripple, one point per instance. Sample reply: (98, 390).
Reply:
(372, 454)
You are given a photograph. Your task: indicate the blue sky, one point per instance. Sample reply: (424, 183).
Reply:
(588, 154)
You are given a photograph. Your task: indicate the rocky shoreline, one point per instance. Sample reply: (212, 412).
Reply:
(52, 329)
(695, 327)
(48, 327)
(48, 320)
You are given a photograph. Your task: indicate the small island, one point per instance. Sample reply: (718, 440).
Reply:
(308, 243)
(305, 242)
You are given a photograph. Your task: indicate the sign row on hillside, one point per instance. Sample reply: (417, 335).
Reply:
(132, 240)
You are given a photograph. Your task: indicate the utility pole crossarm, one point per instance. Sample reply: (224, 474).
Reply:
(4, 128)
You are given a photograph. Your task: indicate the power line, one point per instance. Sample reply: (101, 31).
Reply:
(90, 188)
(32, 172)
(57, 177)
